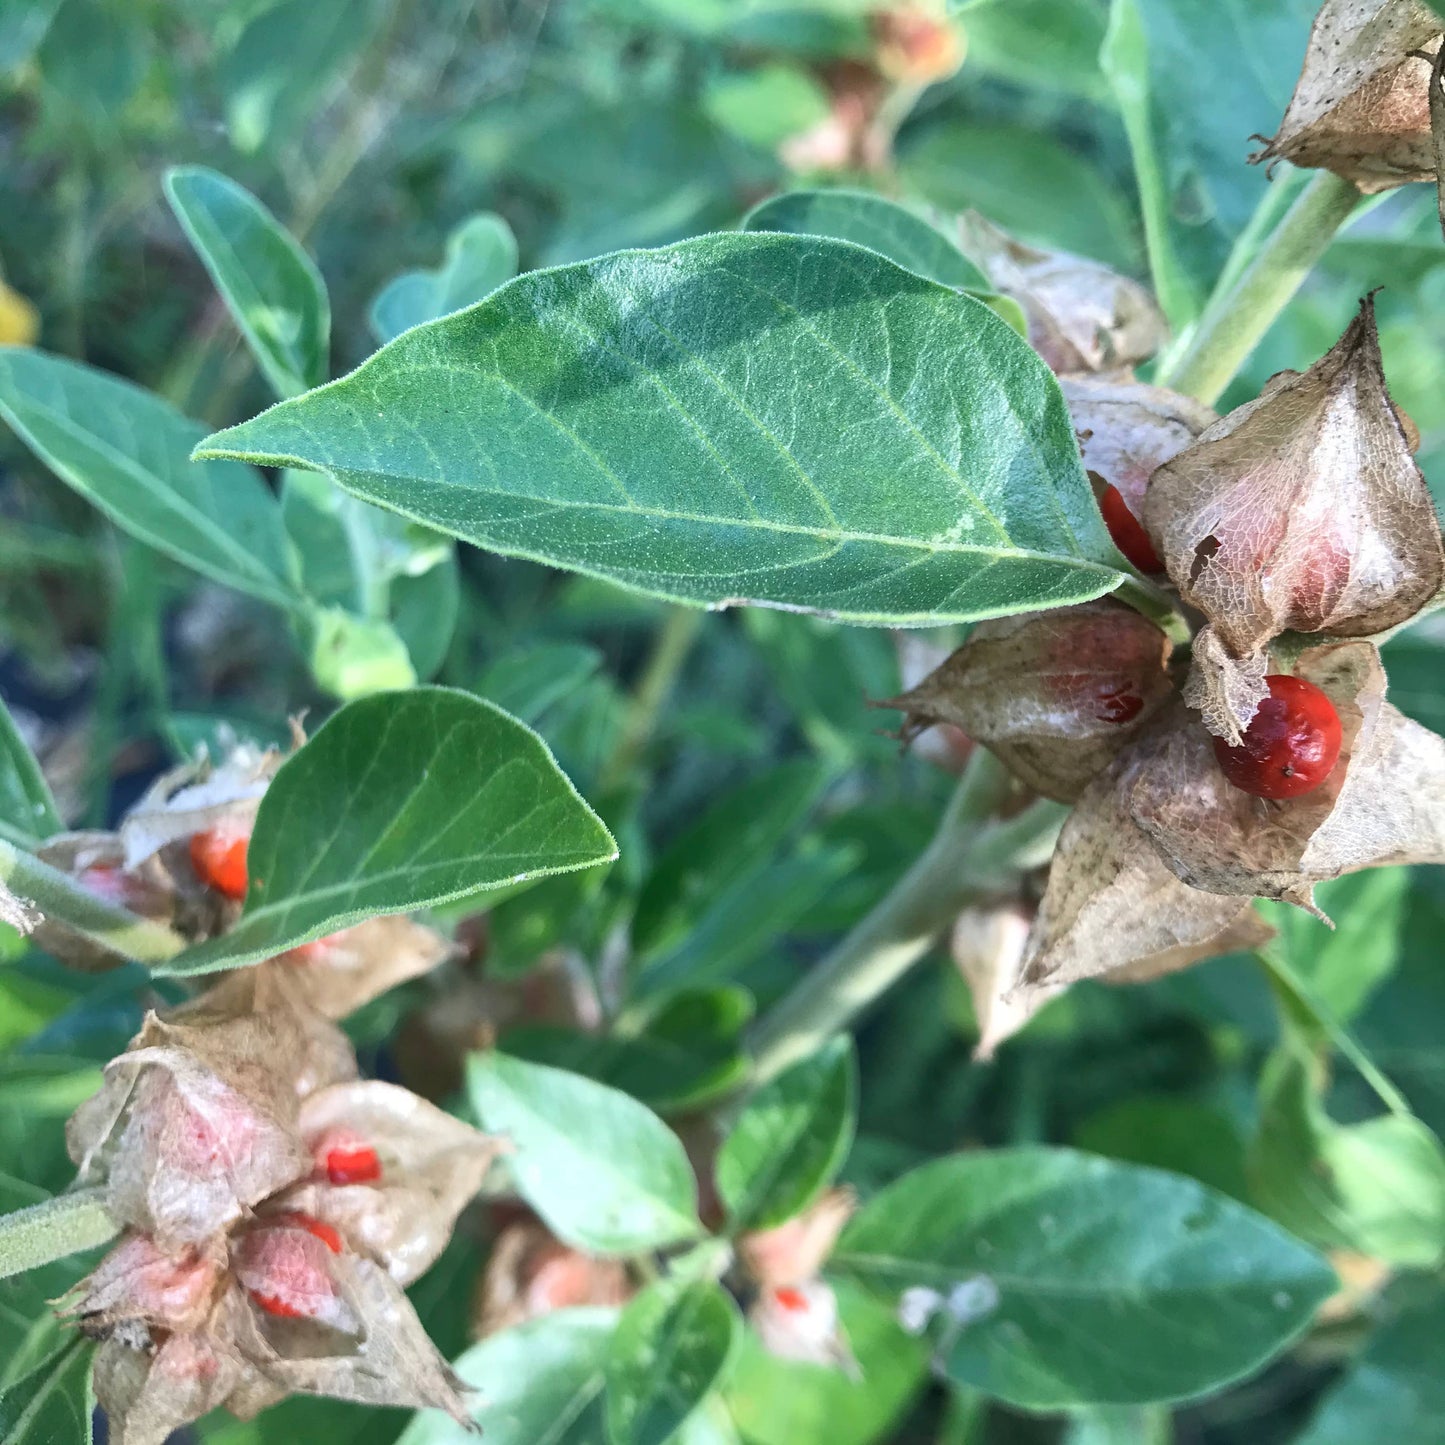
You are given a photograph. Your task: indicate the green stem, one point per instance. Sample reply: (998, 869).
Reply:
(669, 651)
(60, 899)
(48, 1231)
(1240, 313)
(968, 858)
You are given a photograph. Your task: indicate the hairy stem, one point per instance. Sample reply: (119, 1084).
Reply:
(48, 1231)
(60, 899)
(968, 858)
(1241, 311)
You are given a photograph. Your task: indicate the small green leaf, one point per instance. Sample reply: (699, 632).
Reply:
(790, 1139)
(873, 221)
(672, 1346)
(28, 813)
(741, 417)
(481, 255)
(528, 680)
(125, 451)
(1062, 1280)
(1396, 1390)
(270, 285)
(604, 1171)
(402, 801)
(52, 1403)
(764, 106)
(540, 1382)
(355, 656)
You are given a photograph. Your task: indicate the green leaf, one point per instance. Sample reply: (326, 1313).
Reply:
(528, 680)
(28, 813)
(270, 285)
(784, 1402)
(766, 105)
(540, 1384)
(868, 220)
(1064, 1280)
(481, 255)
(671, 1348)
(1050, 45)
(355, 656)
(644, 418)
(125, 451)
(1376, 1187)
(52, 1403)
(402, 801)
(1119, 1425)
(604, 1171)
(50, 1230)
(790, 1139)
(1396, 1390)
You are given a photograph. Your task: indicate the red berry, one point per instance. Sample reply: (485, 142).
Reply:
(353, 1166)
(1128, 532)
(1290, 747)
(219, 858)
(294, 1219)
(1114, 703)
(278, 1307)
(791, 1299)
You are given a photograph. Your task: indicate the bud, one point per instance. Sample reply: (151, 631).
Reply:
(916, 45)
(1081, 315)
(389, 1171)
(1302, 510)
(794, 1252)
(1361, 107)
(337, 974)
(1054, 694)
(988, 947)
(800, 1322)
(531, 1273)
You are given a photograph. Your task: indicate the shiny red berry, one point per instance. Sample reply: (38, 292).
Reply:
(791, 1299)
(352, 1166)
(1128, 532)
(1290, 747)
(219, 858)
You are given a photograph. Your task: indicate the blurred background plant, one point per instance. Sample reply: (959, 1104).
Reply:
(422, 150)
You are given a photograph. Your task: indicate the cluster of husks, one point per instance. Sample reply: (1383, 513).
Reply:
(1298, 527)
(1368, 104)
(275, 1207)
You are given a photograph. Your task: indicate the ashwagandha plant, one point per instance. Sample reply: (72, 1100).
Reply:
(1170, 708)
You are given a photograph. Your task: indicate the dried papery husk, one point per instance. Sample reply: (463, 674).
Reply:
(1225, 690)
(197, 797)
(1054, 694)
(1082, 316)
(794, 1252)
(800, 1322)
(138, 1280)
(1302, 511)
(1383, 803)
(1127, 430)
(1112, 906)
(1361, 107)
(19, 913)
(531, 1273)
(944, 744)
(432, 1165)
(389, 1360)
(988, 946)
(336, 975)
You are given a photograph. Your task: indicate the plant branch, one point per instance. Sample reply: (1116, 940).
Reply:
(61, 899)
(1240, 312)
(48, 1231)
(967, 859)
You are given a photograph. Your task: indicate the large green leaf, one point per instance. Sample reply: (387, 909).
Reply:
(481, 255)
(540, 1382)
(270, 284)
(128, 453)
(776, 419)
(873, 221)
(604, 1171)
(790, 1139)
(52, 1403)
(402, 801)
(671, 1348)
(1396, 1390)
(27, 808)
(1066, 1280)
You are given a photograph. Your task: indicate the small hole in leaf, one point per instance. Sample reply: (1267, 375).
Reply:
(1203, 551)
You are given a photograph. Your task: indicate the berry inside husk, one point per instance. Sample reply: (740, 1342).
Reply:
(1291, 745)
(1128, 532)
(219, 858)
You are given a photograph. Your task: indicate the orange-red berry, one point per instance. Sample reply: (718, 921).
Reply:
(353, 1166)
(1128, 532)
(219, 858)
(1290, 747)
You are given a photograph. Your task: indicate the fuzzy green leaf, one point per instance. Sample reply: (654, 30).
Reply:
(27, 807)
